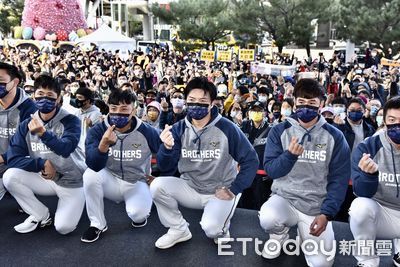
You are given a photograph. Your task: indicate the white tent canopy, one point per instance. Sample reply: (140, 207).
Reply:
(109, 40)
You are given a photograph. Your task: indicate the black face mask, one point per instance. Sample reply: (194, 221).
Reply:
(79, 103)
(329, 120)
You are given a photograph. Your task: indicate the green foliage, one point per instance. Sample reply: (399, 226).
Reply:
(206, 20)
(10, 14)
(375, 21)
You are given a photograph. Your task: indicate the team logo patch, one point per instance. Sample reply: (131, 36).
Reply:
(320, 146)
(136, 145)
(214, 144)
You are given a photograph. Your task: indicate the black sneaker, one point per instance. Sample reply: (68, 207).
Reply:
(140, 224)
(92, 234)
(396, 259)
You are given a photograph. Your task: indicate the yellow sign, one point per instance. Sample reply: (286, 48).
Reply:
(224, 56)
(388, 62)
(207, 55)
(246, 54)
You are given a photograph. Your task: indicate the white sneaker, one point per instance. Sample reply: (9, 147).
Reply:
(223, 239)
(31, 224)
(270, 252)
(172, 237)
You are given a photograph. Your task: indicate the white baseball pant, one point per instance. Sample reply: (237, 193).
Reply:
(102, 184)
(370, 221)
(23, 186)
(277, 214)
(170, 191)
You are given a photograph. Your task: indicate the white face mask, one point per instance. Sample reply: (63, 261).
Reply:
(177, 103)
(233, 114)
(262, 98)
(379, 120)
(237, 98)
(338, 110)
(286, 112)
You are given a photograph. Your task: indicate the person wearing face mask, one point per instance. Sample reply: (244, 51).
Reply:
(150, 96)
(275, 115)
(153, 114)
(219, 103)
(28, 87)
(339, 107)
(118, 155)
(286, 109)
(372, 110)
(16, 106)
(354, 127)
(177, 112)
(328, 114)
(206, 149)
(256, 129)
(44, 159)
(307, 159)
(379, 121)
(87, 112)
(375, 213)
(262, 94)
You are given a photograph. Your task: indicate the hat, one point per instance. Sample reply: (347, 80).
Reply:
(257, 104)
(151, 91)
(86, 92)
(243, 90)
(29, 83)
(154, 104)
(363, 98)
(327, 109)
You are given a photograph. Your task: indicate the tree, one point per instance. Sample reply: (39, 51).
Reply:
(206, 20)
(285, 20)
(10, 14)
(377, 22)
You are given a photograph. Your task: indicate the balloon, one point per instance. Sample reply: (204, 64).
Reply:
(81, 33)
(18, 32)
(39, 33)
(62, 35)
(51, 36)
(73, 36)
(27, 33)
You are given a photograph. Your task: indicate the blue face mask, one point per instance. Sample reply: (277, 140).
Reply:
(120, 120)
(197, 111)
(45, 104)
(3, 90)
(374, 111)
(355, 116)
(276, 115)
(306, 113)
(393, 131)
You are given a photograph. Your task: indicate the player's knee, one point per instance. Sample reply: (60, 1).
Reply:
(9, 178)
(211, 229)
(138, 214)
(64, 228)
(361, 209)
(90, 178)
(156, 188)
(268, 218)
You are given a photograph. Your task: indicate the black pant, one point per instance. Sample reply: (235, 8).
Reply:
(257, 194)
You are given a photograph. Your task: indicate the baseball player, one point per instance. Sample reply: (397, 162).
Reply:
(206, 149)
(375, 213)
(15, 106)
(42, 160)
(118, 154)
(307, 159)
